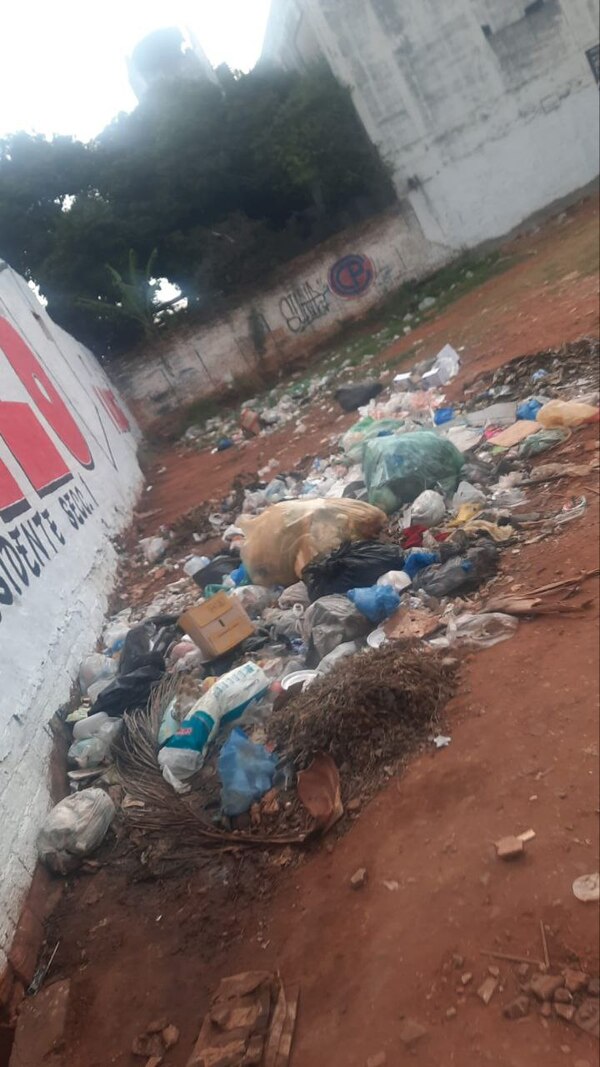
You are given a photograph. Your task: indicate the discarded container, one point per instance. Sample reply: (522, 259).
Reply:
(398, 469)
(587, 888)
(218, 625)
(246, 771)
(377, 602)
(74, 828)
(195, 564)
(303, 678)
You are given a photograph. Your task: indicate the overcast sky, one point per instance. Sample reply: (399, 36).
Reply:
(63, 62)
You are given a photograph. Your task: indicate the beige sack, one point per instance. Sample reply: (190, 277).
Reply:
(287, 536)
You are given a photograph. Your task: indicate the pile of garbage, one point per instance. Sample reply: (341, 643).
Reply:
(315, 641)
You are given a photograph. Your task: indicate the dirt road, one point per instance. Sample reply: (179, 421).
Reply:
(524, 754)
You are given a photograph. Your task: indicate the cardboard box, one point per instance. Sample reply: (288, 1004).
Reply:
(218, 625)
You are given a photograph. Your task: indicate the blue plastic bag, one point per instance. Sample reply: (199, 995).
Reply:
(443, 415)
(376, 602)
(246, 771)
(529, 409)
(416, 560)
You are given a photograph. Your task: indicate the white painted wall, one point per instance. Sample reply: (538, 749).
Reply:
(53, 618)
(300, 312)
(482, 128)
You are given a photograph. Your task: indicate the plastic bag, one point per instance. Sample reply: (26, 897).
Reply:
(467, 494)
(255, 598)
(399, 580)
(397, 469)
(353, 565)
(74, 828)
(294, 594)
(214, 572)
(195, 564)
(331, 621)
(428, 509)
(352, 397)
(287, 536)
(246, 771)
(377, 602)
(183, 753)
(416, 560)
(153, 548)
(528, 409)
(459, 575)
(447, 364)
(481, 631)
(353, 441)
(349, 648)
(96, 668)
(90, 752)
(565, 413)
(542, 442)
(131, 690)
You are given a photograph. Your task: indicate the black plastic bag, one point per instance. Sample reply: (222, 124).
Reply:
(131, 690)
(459, 575)
(354, 565)
(351, 397)
(214, 572)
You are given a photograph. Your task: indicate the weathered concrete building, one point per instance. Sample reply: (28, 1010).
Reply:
(487, 110)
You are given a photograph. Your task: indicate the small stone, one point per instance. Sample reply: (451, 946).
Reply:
(575, 981)
(353, 805)
(147, 1045)
(582, 1063)
(565, 1011)
(157, 1025)
(593, 987)
(451, 1013)
(523, 970)
(378, 1060)
(487, 989)
(466, 978)
(154, 1061)
(587, 1017)
(359, 878)
(518, 1008)
(509, 848)
(544, 986)
(170, 1036)
(411, 1031)
(494, 971)
(458, 961)
(566, 1049)
(546, 1009)
(562, 996)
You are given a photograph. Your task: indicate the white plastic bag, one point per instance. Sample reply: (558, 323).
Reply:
(428, 509)
(447, 364)
(398, 580)
(90, 752)
(467, 494)
(153, 548)
(96, 668)
(480, 631)
(74, 828)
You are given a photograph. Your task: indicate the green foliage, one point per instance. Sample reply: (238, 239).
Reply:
(210, 186)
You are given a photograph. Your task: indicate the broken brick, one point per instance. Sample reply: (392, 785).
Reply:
(518, 1008)
(575, 981)
(544, 986)
(359, 878)
(509, 848)
(487, 989)
(411, 1031)
(565, 1011)
(587, 1017)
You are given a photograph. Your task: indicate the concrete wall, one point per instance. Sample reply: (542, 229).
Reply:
(68, 481)
(487, 110)
(314, 296)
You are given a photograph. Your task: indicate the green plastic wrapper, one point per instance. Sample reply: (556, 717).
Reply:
(397, 469)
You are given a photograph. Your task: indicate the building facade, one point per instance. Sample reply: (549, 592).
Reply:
(486, 110)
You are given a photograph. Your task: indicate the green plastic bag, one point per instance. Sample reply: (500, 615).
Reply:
(354, 440)
(397, 469)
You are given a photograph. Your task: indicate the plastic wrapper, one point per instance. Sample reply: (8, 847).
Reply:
(428, 509)
(481, 631)
(255, 598)
(467, 494)
(294, 594)
(287, 536)
(353, 565)
(227, 700)
(376, 603)
(96, 668)
(398, 469)
(329, 622)
(459, 574)
(74, 828)
(542, 442)
(349, 648)
(246, 771)
(557, 413)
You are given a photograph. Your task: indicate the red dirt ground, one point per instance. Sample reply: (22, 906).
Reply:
(524, 753)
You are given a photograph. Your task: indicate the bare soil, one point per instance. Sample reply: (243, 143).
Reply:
(524, 754)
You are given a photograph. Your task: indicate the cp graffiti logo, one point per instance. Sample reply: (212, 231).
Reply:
(351, 275)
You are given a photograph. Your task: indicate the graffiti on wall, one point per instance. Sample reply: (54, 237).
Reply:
(39, 469)
(352, 275)
(304, 305)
